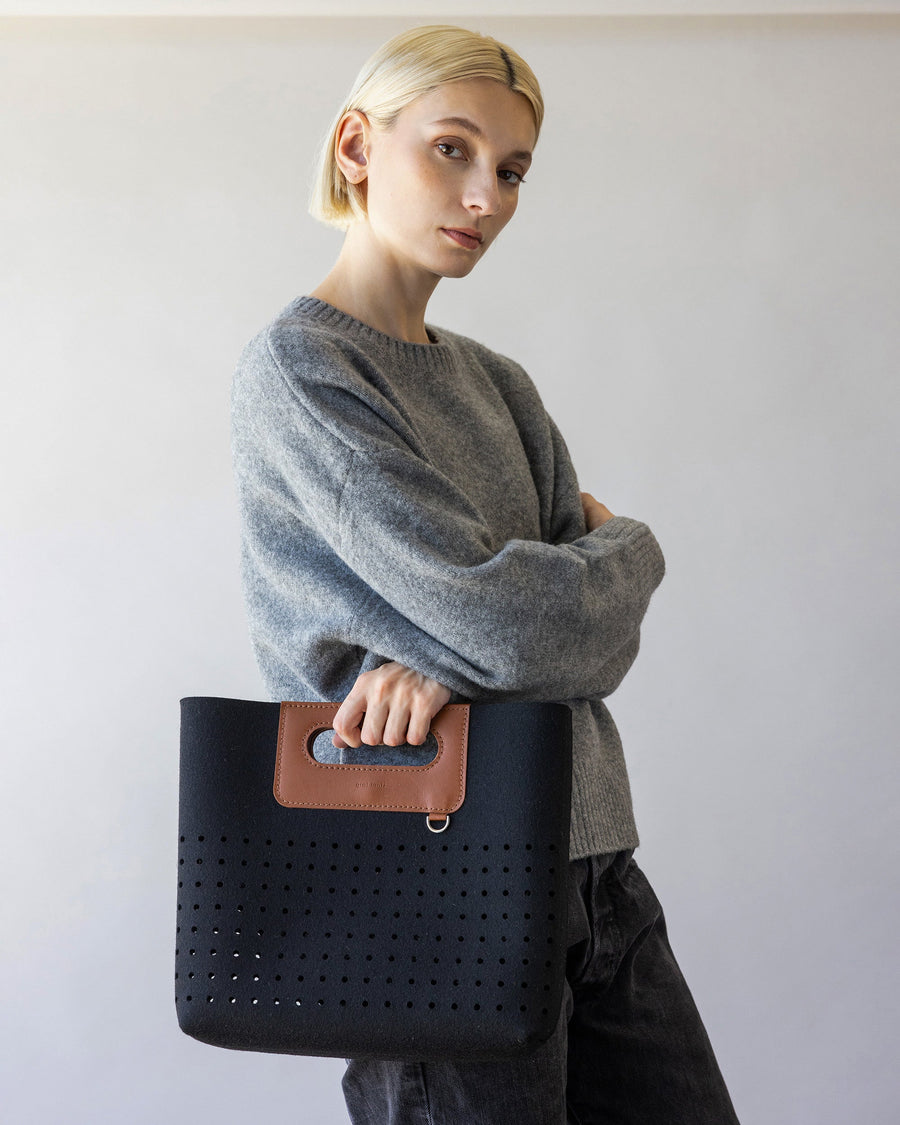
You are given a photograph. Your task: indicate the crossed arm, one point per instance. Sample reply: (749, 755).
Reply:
(393, 704)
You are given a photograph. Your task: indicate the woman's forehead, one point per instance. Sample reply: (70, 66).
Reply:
(483, 107)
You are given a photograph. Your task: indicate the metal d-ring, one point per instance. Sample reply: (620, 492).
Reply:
(443, 827)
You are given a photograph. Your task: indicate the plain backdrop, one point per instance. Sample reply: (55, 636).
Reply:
(702, 280)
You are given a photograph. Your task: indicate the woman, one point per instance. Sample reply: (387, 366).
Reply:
(414, 535)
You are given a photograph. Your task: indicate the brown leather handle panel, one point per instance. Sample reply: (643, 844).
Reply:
(302, 782)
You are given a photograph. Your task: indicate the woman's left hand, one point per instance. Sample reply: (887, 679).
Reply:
(393, 704)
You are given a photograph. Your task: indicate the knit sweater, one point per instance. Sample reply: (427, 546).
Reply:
(416, 503)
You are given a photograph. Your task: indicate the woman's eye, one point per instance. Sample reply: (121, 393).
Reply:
(454, 152)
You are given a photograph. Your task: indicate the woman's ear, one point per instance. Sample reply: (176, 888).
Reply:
(351, 144)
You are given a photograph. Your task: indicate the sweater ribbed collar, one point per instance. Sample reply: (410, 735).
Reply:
(437, 356)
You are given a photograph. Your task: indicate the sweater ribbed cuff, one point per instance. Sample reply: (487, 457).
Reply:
(646, 552)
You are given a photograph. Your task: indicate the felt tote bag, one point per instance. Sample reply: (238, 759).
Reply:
(407, 912)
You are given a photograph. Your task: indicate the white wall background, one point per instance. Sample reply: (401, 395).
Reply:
(703, 280)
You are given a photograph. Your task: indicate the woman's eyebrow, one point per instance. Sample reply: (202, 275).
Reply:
(476, 131)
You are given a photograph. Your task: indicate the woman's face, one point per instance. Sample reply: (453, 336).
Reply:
(443, 183)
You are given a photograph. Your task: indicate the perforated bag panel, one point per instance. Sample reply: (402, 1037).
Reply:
(362, 934)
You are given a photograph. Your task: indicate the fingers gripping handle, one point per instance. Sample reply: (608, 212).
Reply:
(436, 789)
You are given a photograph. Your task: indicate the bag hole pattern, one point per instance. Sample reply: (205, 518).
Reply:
(391, 887)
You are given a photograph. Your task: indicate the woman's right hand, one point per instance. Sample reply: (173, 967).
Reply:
(389, 705)
(595, 513)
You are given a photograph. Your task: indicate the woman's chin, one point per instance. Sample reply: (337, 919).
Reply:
(459, 267)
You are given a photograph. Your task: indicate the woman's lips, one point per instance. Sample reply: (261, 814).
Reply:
(462, 239)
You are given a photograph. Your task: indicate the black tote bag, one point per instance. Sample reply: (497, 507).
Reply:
(405, 912)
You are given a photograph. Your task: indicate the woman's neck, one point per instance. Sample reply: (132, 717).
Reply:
(377, 290)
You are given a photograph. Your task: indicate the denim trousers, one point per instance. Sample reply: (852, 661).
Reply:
(629, 1049)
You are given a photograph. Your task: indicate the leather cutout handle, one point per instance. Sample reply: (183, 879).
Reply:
(302, 782)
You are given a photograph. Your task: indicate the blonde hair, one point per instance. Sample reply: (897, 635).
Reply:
(407, 66)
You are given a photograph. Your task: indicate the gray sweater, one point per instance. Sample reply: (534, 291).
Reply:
(415, 502)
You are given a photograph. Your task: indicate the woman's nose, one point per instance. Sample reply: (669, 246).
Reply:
(482, 193)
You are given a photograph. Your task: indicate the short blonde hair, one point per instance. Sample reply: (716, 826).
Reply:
(407, 66)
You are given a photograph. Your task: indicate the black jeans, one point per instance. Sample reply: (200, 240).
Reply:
(630, 1047)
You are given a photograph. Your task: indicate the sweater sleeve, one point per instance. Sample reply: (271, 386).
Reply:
(534, 619)
(566, 524)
